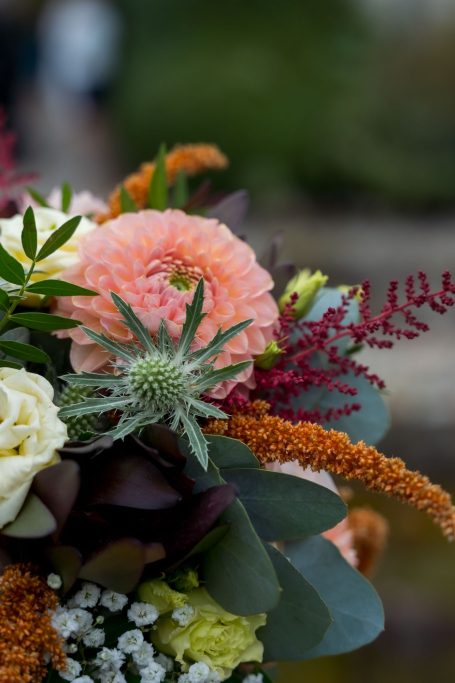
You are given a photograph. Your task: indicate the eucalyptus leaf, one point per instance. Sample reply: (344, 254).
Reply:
(29, 236)
(355, 607)
(158, 192)
(59, 237)
(283, 507)
(368, 424)
(300, 619)
(238, 572)
(43, 321)
(23, 351)
(59, 288)
(10, 269)
(226, 452)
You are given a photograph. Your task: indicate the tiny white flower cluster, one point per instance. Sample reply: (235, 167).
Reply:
(81, 623)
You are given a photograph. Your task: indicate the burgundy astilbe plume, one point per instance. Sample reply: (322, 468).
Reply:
(11, 181)
(320, 353)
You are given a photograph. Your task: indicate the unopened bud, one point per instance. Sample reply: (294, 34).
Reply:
(304, 286)
(267, 359)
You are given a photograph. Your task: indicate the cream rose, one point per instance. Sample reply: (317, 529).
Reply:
(47, 221)
(30, 433)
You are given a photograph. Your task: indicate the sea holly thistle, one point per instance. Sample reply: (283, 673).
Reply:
(158, 379)
(16, 285)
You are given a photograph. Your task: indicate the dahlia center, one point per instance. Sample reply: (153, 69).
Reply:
(182, 276)
(156, 381)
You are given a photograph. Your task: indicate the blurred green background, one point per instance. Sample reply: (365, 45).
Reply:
(339, 117)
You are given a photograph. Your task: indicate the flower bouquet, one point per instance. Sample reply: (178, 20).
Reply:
(171, 413)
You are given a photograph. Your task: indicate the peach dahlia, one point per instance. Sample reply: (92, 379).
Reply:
(153, 260)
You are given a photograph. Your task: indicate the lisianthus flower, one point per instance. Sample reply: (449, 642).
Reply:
(30, 433)
(154, 260)
(211, 635)
(82, 203)
(47, 221)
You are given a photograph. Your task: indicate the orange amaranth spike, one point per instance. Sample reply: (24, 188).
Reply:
(272, 438)
(190, 159)
(26, 633)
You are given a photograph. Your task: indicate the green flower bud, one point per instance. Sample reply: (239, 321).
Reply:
(185, 580)
(267, 359)
(158, 593)
(306, 286)
(78, 427)
(345, 289)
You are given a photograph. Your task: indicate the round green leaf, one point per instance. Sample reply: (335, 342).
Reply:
(283, 507)
(238, 572)
(227, 453)
(300, 619)
(355, 607)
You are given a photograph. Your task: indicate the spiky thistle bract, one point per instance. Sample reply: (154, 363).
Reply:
(158, 379)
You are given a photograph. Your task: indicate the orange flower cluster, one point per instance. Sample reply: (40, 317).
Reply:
(190, 159)
(272, 438)
(26, 633)
(369, 530)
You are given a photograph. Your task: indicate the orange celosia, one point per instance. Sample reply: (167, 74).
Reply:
(190, 159)
(26, 633)
(369, 530)
(273, 439)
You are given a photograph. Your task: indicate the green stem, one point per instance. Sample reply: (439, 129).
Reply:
(6, 318)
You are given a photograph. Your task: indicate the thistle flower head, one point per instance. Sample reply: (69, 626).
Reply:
(158, 380)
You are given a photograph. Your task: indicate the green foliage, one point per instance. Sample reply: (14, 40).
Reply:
(299, 621)
(158, 192)
(12, 271)
(127, 203)
(354, 605)
(308, 509)
(180, 192)
(67, 195)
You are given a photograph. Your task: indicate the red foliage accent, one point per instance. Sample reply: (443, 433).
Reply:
(313, 358)
(10, 181)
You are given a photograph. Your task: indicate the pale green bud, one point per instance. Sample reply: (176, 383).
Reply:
(267, 359)
(306, 286)
(345, 289)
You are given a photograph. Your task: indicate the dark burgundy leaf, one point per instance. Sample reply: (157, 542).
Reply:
(203, 511)
(66, 561)
(57, 487)
(118, 566)
(129, 480)
(231, 210)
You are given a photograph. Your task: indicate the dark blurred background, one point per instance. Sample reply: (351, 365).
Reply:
(339, 117)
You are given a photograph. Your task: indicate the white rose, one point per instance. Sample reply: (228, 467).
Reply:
(30, 433)
(82, 203)
(47, 221)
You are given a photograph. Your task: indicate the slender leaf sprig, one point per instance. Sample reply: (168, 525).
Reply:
(13, 273)
(158, 379)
